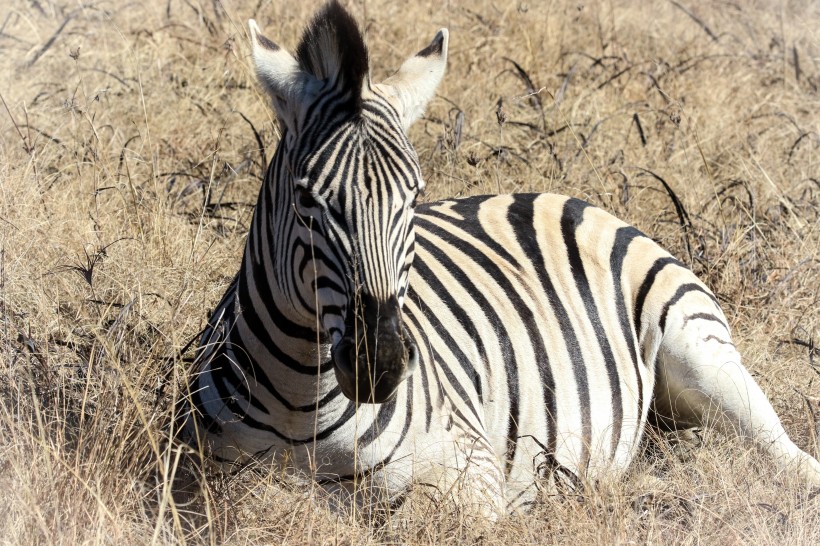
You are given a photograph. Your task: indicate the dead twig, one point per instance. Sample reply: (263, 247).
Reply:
(532, 91)
(796, 62)
(696, 19)
(683, 216)
(50, 42)
(637, 121)
(614, 77)
(797, 142)
(264, 157)
(86, 270)
(26, 144)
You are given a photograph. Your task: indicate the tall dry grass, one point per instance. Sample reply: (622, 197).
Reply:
(130, 161)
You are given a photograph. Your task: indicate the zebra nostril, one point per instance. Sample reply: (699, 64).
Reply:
(345, 357)
(412, 356)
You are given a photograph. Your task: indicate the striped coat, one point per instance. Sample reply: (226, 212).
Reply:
(474, 345)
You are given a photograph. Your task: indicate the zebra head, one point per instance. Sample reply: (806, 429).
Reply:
(346, 180)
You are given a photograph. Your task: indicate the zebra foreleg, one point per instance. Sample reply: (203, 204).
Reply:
(701, 381)
(465, 481)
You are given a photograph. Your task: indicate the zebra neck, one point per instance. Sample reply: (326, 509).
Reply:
(264, 316)
(275, 358)
(276, 335)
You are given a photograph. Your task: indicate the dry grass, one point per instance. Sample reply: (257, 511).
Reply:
(130, 164)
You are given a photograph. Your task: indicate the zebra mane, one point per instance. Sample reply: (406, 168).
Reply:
(332, 48)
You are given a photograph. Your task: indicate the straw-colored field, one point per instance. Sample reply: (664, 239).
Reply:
(129, 165)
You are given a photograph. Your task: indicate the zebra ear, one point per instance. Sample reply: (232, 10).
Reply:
(412, 87)
(279, 73)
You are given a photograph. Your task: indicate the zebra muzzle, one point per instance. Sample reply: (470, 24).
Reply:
(375, 355)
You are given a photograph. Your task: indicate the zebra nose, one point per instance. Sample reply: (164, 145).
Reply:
(375, 355)
(368, 380)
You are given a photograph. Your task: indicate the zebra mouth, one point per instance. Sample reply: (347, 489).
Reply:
(373, 377)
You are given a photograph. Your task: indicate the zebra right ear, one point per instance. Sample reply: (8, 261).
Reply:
(280, 74)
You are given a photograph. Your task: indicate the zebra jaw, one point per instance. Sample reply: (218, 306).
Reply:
(376, 353)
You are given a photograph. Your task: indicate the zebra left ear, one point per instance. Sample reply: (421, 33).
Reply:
(412, 87)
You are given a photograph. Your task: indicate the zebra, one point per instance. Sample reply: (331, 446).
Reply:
(475, 345)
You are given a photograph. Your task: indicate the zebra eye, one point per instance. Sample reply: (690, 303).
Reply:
(305, 198)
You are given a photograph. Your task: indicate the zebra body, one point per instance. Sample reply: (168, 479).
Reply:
(482, 342)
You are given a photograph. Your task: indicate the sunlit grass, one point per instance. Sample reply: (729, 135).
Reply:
(130, 163)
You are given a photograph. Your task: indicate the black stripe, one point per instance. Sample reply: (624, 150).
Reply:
(380, 423)
(679, 293)
(715, 338)
(521, 217)
(349, 412)
(478, 427)
(476, 229)
(425, 357)
(222, 368)
(290, 329)
(495, 318)
(571, 219)
(200, 414)
(623, 238)
(383, 421)
(226, 372)
(468, 208)
(648, 283)
(442, 332)
(704, 316)
(463, 318)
